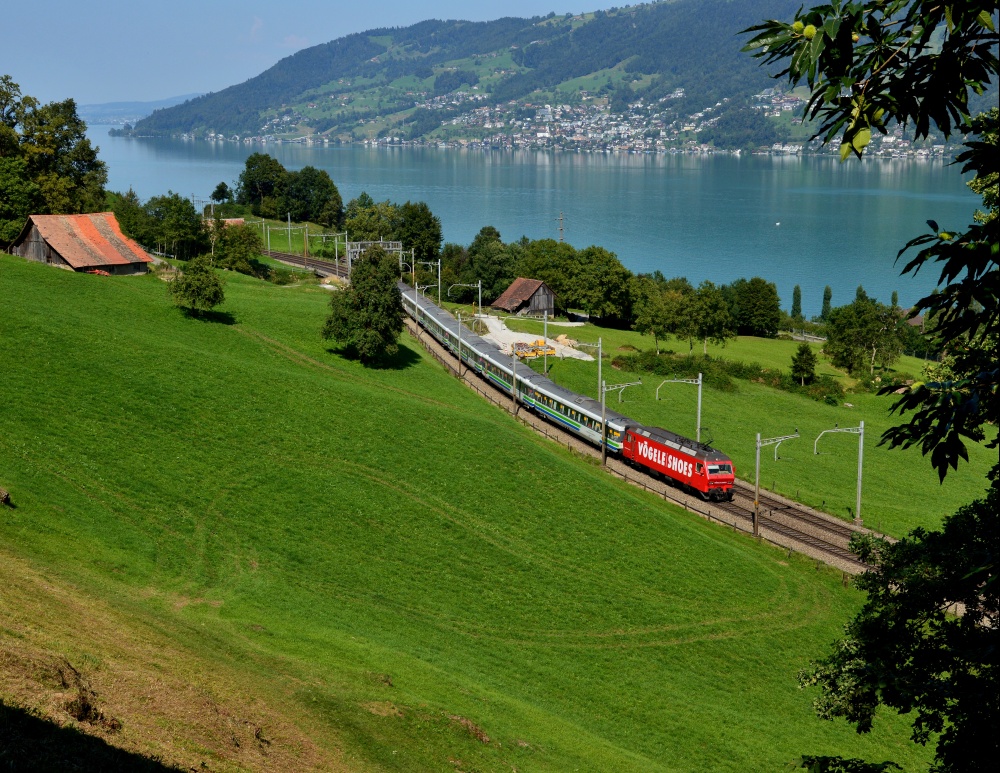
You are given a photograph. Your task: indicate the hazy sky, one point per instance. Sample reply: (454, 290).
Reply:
(112, 50)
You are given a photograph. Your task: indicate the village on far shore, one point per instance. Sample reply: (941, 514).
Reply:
(588, 127)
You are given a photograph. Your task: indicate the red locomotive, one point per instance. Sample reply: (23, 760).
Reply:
(694, 466)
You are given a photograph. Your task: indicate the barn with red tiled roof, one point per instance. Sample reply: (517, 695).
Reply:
(91, 242)
(527, 296)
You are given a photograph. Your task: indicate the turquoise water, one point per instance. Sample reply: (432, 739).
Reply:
(808, 221)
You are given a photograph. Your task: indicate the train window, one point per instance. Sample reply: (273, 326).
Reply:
(717, 469)
(699, 467)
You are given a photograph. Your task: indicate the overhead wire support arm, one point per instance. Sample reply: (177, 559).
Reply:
(860, 432)
(696, 381)
(774, 441)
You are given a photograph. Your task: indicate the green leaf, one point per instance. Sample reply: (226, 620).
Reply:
(986, 20)
(845, 150)
(861, 139)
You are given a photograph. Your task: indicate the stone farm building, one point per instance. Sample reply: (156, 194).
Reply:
(527, 297)
(92, 242)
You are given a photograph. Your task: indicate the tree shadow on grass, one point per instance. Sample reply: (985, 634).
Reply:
(402, 359)
(218, 317)
(28, 743)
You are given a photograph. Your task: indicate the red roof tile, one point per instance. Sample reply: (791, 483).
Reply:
(84, 241)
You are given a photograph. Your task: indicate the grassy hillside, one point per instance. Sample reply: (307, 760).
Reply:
(900, 490)
(257, 554)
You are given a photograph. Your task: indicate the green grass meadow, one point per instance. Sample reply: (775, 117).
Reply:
(362, 538)
(900, 490)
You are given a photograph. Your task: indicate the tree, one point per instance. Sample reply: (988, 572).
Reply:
(650, 309)
(796, 304)
(47, 164)
(867, 64)
(601, 284)
(491, 262)
(824, 314)
(310, 195)
(863, 335)
(711, 320)
(367, 315)
(239, 248)
(221, 193)
(755, 306)
(804, 364)
(261, 184)
(132, 217)
(19, 197)
(175, 225)
(198, 288)
(420, 230)
(555, 264)
(372, 222)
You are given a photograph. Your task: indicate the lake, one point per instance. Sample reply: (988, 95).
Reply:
(810, 221)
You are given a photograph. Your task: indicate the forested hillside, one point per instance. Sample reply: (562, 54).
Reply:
(645, 51)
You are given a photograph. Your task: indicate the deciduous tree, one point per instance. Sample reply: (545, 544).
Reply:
(863, 335)
(420, 230)
(927, 637)
(198, 288)
(261, 184)
(49, 165)
(804, 364)
(651, 313)
(239, 248)
(368, 314)
(755, 306)
(711, 320)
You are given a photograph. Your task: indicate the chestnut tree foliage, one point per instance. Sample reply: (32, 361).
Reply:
(926, 640)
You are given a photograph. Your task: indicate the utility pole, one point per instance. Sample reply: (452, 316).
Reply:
(513, 377)
(860, 432)
(775, 441)
(545, 337)
(459, 346)
(604, 427)
(289, 231)
(560, 226)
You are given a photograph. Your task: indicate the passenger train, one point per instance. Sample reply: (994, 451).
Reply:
(694, 466)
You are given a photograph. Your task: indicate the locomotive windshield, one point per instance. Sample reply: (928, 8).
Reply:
(720, 469)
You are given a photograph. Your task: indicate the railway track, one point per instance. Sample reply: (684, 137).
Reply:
(782, 522)
(320, 266)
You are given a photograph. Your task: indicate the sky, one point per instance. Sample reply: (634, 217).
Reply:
(117, 51)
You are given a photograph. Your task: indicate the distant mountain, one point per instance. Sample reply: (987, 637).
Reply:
(401, 80)
(127, 112)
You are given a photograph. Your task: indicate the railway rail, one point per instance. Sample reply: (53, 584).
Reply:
(784, 523)
(319, 265)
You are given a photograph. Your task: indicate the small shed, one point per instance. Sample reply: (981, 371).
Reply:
(91, 242)
(527, 297)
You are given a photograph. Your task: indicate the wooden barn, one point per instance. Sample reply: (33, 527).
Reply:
(92, 242)
(530, 297)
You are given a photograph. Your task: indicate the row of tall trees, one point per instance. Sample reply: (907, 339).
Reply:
(47, 164)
